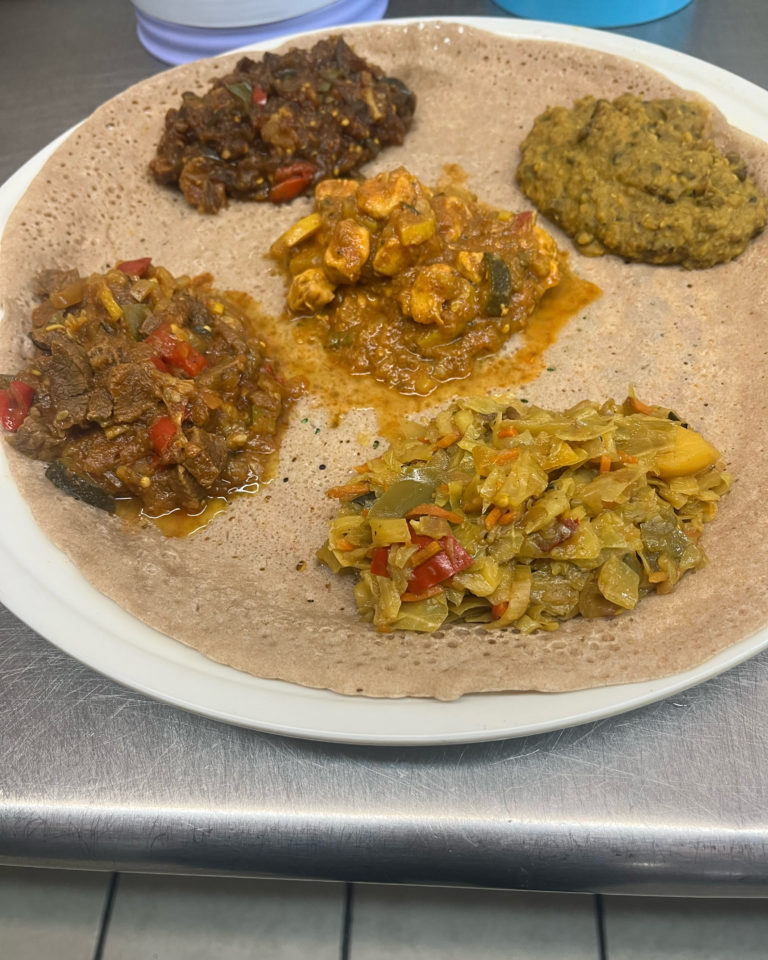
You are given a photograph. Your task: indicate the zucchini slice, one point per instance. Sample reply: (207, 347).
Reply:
(78, 487)
(501, 285)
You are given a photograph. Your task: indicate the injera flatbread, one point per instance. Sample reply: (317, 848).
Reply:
(691, 340)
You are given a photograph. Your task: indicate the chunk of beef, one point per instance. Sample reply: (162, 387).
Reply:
(205, 455)
(43, 316)
(48, 281)
(106, 352)
(189, 494)
(227, 371)
(176, 394)
(36, 438)
(69, 377)
(171, 489)
(198, 315)
(150, 323)
(232, 336)
(99, 405)
(134, 391)
(202, 183)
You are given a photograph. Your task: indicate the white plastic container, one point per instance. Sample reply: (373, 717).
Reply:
(177, 31)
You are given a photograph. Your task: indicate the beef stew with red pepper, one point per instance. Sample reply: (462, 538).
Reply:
(146, 386)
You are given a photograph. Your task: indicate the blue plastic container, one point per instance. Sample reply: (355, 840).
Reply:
(594, 13)
(178, 43)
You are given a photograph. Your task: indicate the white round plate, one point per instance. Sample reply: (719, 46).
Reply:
(44, 588)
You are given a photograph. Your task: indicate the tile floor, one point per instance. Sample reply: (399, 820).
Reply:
(73, 915)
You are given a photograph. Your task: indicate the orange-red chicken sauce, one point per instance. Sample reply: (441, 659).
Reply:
(412, 285)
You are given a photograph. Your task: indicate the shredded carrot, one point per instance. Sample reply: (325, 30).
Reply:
(499, 609)
(448, 439)
(343, 544)
(361, 468)
(348, 491)
(639, 407)
(425, 553)
(492, 518)
(432, 510)
(509, 517)
(506, 455)
(415, 597)
(443, 489)
(605, 463)
(626, 457)
(508, 431)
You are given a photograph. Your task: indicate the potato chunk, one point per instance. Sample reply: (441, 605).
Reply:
(690, 454)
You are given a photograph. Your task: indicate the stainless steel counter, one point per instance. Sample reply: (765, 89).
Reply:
(670, 799)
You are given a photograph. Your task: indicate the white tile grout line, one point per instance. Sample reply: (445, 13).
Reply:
(109, 902)
(600, 922)
(346, 924)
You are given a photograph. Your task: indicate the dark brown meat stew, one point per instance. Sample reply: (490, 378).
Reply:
(271, 128)
(146, 386)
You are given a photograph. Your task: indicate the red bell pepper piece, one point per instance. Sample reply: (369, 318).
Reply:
(259, 96)
(290, 180)
(452, 559)
(161, 433)
(288, 189)
(163, 340)
(135, 268)
(379, 561)
(178, 353)
(15, 402)
(300, 168)
(188, 359)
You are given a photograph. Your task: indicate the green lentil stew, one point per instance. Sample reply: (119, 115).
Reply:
(641, 179)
